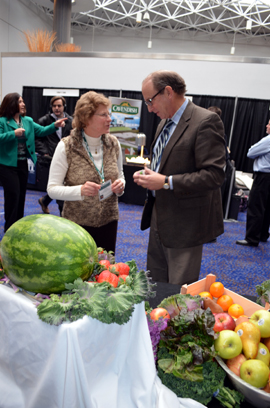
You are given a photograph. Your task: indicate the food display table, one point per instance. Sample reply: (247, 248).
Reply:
(84, 364)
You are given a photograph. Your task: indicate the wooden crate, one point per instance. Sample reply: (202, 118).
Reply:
(204, 285)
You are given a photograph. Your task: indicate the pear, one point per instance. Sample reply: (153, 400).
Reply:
(263, 354)
(250, 336)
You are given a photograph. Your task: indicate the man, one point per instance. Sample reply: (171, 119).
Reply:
(46, 146)
(183, 208)
(258, 211)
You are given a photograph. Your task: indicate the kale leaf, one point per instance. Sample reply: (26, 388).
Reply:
(99, 300)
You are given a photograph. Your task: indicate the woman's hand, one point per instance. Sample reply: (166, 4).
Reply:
(90, 189)
(60, 122)
(19, 132)
(118, 187)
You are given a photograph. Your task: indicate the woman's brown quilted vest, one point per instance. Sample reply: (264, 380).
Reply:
(90, 211)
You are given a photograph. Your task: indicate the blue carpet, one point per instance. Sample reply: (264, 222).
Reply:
(239, 268)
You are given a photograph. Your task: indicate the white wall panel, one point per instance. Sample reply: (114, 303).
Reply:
(227, 77)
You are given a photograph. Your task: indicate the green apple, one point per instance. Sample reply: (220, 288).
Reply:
(261, 318)
(255, 372)
(263, 354)
(228, 344)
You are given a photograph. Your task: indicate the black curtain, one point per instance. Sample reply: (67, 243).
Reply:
(38, 105)
(251, 118)
(226, 104)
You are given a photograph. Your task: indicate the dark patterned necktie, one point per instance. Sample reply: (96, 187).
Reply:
(163, 137)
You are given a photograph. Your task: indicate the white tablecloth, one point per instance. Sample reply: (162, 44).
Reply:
(84, 364)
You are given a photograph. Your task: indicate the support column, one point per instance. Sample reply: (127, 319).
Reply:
(62, 21)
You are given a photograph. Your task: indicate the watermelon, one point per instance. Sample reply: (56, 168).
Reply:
(40, 253)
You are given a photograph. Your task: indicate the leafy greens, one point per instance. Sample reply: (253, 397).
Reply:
(101, 301)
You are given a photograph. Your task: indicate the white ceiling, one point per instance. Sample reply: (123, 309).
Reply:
(205, 18)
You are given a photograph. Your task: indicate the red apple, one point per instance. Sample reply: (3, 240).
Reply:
(235, 363)
(159, 312)
(223, 322)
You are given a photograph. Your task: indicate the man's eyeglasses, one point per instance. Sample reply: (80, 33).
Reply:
(103, 115)
(149, 102)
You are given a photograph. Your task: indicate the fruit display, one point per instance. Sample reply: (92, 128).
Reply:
(243, 342)
(40, 253)
(183, 346)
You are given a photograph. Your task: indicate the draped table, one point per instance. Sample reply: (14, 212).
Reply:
(84, 364)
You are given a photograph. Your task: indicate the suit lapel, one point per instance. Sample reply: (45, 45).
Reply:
(177, 134)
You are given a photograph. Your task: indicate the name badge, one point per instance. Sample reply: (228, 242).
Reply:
(105, 190)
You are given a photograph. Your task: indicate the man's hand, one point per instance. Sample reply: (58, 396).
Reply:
(149, 179)
(60, 122)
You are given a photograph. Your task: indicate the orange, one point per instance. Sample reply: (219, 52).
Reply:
(235, 310)
(225, 301)
(206, 294)
(216, 289)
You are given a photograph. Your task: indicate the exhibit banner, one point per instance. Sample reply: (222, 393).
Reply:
(126, 116)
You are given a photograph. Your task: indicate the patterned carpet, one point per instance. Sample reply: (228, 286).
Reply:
(239, 268)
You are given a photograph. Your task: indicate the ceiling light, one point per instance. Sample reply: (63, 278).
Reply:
(248, 25)
(232, 50)
(146, 16)
(139, 17)
(149, 44)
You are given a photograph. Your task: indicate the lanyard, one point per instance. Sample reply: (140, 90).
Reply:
(101, 173)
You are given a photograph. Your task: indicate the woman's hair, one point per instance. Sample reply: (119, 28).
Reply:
(10, 105)
(85, 108)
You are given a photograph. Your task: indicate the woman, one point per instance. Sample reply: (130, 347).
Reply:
(17, 144)
(87, 171)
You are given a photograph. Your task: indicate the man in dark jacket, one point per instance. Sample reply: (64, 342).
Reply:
(183, 208)
(46, 146)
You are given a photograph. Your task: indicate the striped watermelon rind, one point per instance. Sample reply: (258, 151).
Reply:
(40, 253)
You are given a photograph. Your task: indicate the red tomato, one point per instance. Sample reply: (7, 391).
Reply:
(107, 276)
(158, 313)
(122, 268)
(105, 263)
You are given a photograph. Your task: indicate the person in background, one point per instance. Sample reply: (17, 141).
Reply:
(17, 143)
(183, 208)
(87, 171)
(258, 210)
(47, 145)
